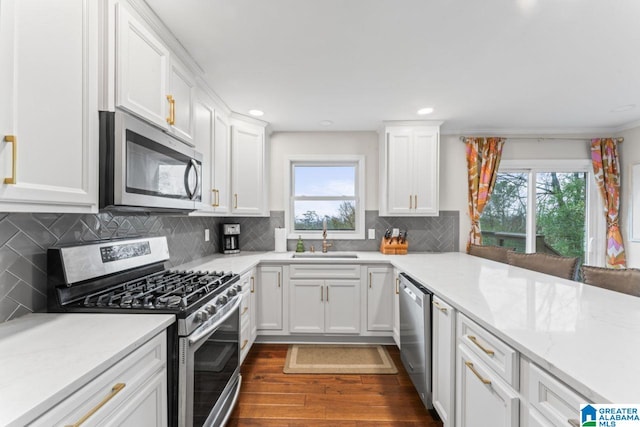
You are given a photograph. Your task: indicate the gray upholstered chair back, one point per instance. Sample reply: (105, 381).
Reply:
(626, 280)
(565, 267)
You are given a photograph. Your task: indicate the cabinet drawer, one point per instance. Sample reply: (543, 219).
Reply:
(245, 307)
(313, 271)
(245, 339)
(133, 371)
(503, 359)
(553, 399)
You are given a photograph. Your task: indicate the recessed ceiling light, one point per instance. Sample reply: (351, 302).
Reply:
(256, 113)
(425, 111)
(326, 123)
(623, 108)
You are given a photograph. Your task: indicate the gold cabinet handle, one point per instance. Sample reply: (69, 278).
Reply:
(12, 139)
(415, 201)
(444, 310)
(410, 202)
(244, 344)
(172, 110)
(278, 279)
(574, 423)
(244, 311)
(397, 285)
(114, 390)
(370, 279)
(216, 198)
(235, 205)
(484, 380)
(486, 350)
(253, 289)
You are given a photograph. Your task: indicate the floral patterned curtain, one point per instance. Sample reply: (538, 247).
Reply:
(483, 159)
(606, 167)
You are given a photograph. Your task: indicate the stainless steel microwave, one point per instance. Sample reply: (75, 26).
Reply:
(144, 169)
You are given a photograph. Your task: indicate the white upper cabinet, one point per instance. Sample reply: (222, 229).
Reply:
(248, 170)
(182, 89)
(142, 62)
(409, 170)
(204, 118)
(48, 106)
(150, 82)
(221, 162)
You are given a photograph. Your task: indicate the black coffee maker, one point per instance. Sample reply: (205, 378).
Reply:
(230, 238)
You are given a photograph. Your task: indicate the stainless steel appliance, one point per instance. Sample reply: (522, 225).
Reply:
(144, 169)
(230, 238)
(128, 276)
(415, 335)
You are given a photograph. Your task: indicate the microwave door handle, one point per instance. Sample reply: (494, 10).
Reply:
(192, 165)
(198, 179)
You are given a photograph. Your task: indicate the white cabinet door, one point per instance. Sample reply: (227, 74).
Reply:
(253, 308)
(48, 106)
(269, 289)
(396, 307)
(204, 119)
(248, 178)
(380, 292)
(306, 306)
(342, 306)
(444, 335)
(482, 397)
(399, 177)
(221, 163)
(145, 408)
(141, 76)
(425, 172)
(182, 87)
(409, 169)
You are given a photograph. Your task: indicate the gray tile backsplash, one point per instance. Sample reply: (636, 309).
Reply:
(25, 237)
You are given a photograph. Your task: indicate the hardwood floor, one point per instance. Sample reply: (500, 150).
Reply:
(271, 398)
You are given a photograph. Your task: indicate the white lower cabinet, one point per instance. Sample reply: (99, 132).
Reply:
(483, 399)
(133, 392)
(269, 298)
(324, 306)
(396, 307)
(245, 315)
(444, 347)
(380, 293)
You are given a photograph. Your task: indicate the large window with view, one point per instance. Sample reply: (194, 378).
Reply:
(549, 207)
(326, 193)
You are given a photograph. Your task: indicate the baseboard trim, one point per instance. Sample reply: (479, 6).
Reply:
(305, 339)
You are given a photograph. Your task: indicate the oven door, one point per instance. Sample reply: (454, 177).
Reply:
(209, 374)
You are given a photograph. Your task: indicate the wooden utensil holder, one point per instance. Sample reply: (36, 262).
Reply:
(391, 246)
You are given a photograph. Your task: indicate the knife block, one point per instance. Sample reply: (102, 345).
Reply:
(391, 246)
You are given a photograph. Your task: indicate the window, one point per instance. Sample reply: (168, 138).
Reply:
(549, 206)
(326, 190)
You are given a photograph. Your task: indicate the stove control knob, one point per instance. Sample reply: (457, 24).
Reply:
(232, 291)
(211, 309)
(222, 300)
(202, 316)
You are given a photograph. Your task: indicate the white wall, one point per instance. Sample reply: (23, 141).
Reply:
(629, 154)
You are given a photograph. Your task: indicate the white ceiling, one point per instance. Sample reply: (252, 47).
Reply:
(511, 66)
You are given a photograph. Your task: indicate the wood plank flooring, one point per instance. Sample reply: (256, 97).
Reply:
(269, 397)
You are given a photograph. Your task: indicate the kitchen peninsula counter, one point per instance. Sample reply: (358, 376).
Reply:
(586, 336)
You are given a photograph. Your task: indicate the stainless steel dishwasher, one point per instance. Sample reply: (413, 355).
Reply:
(415, 335)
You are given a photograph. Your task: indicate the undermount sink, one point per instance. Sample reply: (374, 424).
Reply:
(312, 255)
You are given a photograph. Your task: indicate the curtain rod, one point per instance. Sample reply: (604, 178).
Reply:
(579, 138)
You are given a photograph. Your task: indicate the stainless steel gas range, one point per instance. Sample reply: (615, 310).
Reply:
(128, 276)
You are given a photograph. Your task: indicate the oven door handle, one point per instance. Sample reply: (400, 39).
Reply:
(211, 329)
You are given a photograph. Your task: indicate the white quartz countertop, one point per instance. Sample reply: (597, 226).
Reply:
(586, 336)
(45, 357)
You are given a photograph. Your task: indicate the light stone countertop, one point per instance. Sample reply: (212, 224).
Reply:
(45, 357)
(586, 336)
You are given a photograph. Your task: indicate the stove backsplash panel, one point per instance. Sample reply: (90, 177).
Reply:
(25, 237)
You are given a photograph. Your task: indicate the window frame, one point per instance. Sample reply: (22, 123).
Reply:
(358, 161)
(594, 217)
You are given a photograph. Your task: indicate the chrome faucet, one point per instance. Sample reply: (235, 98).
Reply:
(325, 245)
